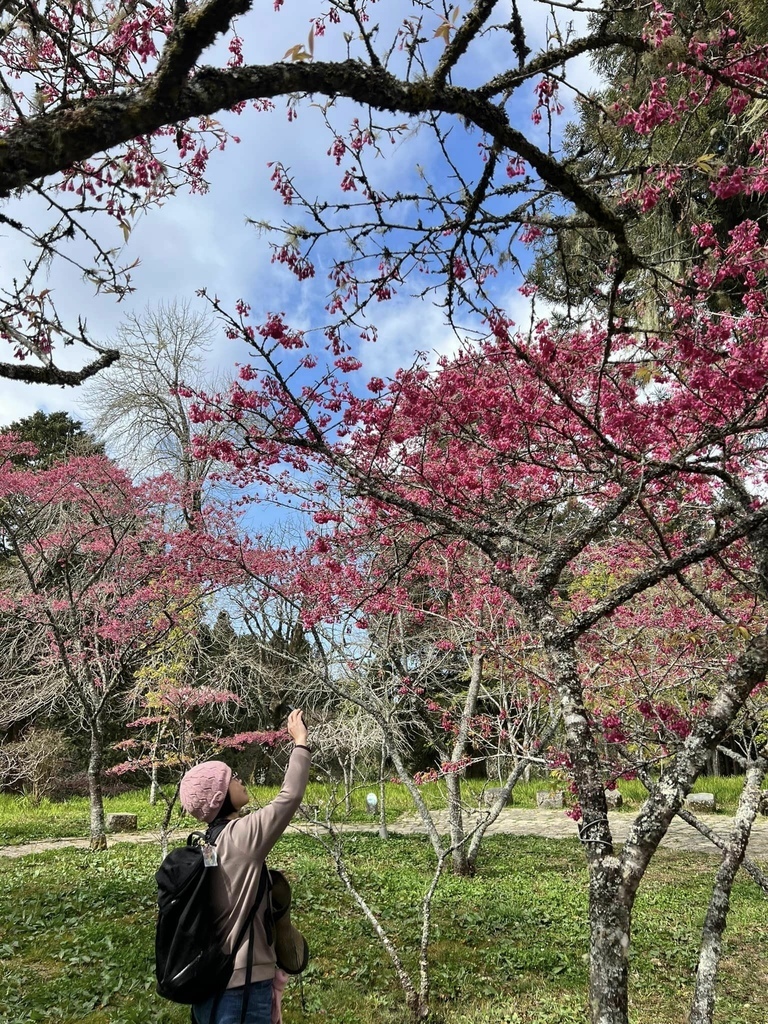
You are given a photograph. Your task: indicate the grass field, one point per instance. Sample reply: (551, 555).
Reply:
(508, 946)
(21, 821)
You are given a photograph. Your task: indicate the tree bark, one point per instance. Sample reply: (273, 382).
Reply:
(383, 833)
(348, 769)
(53, 141)
(154, 785)
(418, 800)
(652, 822)
(703, 1008)
(459, 860)
(453, 782)
(610, 919)
(412, 997)
(610, 902)
(754, 872)
(95, 796)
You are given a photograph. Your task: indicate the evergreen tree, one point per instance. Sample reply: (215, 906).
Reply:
(56, 435)
(694, 149)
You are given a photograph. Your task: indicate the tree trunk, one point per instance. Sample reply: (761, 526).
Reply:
(456, 826)
(675, 782)
(98, 829)
(348, 770)
(703, 1008)
(383, 833)
(165, 826)
(614, 880)
(418, 800)
(154, 786)
(453, 781)
(610, 917)
(755, 873)
(610, 901)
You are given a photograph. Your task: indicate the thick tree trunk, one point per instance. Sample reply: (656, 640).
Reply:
(95, 761)
(610, 919)
(703, 1008)
(614, 880)
(610, 902)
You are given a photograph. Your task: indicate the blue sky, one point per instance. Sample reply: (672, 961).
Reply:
(203, 241)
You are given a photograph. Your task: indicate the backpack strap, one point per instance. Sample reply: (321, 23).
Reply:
(248, 975)
(215, 829)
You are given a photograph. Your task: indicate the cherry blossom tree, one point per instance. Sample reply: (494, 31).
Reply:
(658, 443)
(96, 585)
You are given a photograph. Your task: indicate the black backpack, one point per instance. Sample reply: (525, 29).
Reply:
(190, 964)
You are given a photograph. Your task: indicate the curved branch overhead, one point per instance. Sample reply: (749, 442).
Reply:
(52, 374)
(108, 98)
(50, 143)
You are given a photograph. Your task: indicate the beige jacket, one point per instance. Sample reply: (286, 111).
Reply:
(242, 847)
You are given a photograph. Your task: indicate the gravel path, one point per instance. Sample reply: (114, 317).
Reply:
(511, 821)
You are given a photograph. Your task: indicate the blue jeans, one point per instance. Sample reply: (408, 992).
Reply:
(231, 1003)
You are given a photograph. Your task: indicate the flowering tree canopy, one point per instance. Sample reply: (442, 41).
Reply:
(602, 485)
(92, 584)
(606, 473)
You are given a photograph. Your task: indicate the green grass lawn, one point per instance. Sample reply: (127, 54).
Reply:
(22, 822)
(508, 946)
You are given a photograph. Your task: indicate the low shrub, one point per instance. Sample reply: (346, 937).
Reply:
(76, 784)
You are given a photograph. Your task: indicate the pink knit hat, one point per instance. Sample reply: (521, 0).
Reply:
(204, 788)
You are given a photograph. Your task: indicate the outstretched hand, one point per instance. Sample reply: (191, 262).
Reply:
(297, 730)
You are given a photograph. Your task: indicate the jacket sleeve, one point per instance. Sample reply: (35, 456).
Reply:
(268, 823)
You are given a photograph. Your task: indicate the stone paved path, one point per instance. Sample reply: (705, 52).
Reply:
(24, 849)
(555, 825)
(511, 821)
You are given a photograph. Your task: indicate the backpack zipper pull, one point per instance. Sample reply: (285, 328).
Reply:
(210, 857)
